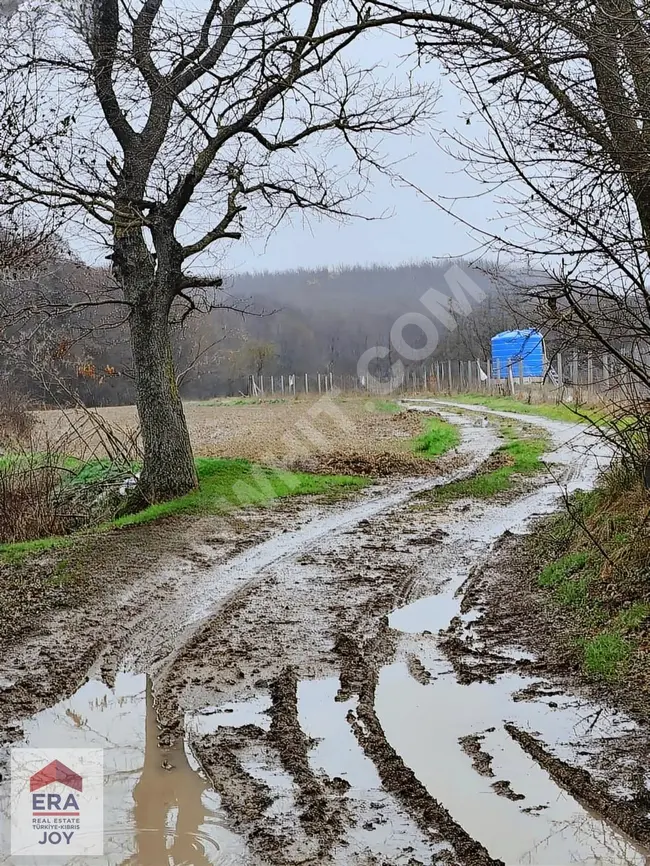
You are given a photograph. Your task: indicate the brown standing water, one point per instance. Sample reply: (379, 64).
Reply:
(161, 809)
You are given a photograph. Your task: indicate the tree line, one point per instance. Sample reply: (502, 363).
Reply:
(62, 344)
(166, 133)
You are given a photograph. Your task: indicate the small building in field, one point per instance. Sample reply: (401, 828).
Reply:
(511, 348)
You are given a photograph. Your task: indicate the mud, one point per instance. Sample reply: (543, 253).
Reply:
(481, 761)
(320, 691)
(581, 785)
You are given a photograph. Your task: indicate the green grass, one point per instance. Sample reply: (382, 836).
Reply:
(229, 484)
(523, 457)
(632, 617)
(96, 471)
(237, 401)
(553, 411)
(386, 406)
(439, 437)
(17, 551)
(606, 654)
(224, 485)
(564, 576)
(561, 570)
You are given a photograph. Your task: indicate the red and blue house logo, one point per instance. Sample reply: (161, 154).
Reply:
(55, 805)
(56, 809)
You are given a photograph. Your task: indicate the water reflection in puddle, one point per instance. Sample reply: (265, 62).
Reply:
(424, 723)
(153, 815)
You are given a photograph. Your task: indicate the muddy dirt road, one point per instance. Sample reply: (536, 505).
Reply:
(323, 694)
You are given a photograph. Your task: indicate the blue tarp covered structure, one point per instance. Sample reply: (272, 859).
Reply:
(511, 347)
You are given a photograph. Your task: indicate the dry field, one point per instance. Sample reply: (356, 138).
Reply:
(283, 432)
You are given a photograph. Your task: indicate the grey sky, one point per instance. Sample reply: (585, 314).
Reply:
(406, 227)
(412, 228)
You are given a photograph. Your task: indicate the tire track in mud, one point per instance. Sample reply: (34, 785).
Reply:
(357, 671)
(359, 676)
(321, 812)
(310, 609)
(584, 788)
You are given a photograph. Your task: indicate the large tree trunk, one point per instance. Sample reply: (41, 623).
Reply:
(168, 469)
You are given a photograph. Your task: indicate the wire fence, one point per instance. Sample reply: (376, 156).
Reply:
(576, 377)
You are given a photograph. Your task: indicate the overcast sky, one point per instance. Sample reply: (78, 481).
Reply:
(411, 228)
(406, 227)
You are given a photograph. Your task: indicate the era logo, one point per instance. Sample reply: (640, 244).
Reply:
(57, 802)
(52, 803)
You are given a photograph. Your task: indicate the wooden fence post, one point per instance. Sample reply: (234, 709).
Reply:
(606, 372)
(590, 373)
(521, 373)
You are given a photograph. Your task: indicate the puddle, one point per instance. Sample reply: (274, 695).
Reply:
(465, 544)
(234, 714)
(380, 828)
(158, 809)
(153, 816)
(424, 722)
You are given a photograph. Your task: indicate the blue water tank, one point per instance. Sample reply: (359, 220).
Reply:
(511, 347)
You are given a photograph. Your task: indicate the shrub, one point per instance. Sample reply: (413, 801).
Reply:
(28, 505)
(16, 421)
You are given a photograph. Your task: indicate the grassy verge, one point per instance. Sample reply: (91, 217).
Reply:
(237, 401)
(385, 406)
(553, 411)
(224, 485)
(228, 484)
(439, 437)
(597, 558)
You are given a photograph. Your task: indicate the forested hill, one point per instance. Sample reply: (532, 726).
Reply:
(303, 321)
(354, 290)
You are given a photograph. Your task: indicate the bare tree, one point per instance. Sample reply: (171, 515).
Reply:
(168, 131)
(558, 128)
